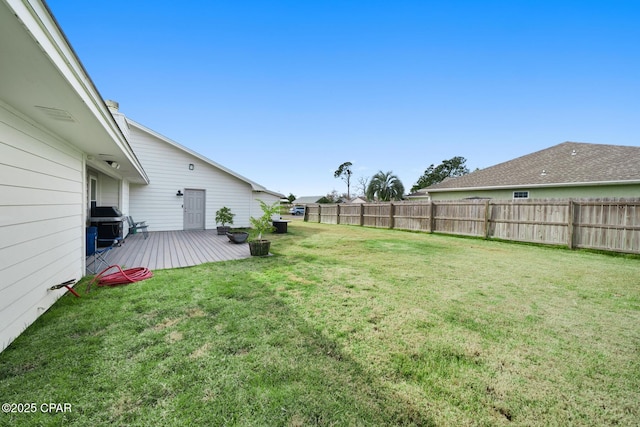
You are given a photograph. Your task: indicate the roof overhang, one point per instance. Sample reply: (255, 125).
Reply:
(42, 79)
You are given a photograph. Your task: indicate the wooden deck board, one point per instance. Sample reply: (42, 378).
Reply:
(175, 249)
(190, 253)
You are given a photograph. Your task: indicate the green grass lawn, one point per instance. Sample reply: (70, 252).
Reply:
(345, 326)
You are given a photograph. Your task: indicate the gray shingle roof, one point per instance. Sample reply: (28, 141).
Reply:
(566, 163)
(307, 199)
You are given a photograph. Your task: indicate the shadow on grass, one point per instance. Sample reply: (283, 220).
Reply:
(207, 345)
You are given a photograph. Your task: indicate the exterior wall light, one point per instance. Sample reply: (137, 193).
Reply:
(179, 193)
(191, 166)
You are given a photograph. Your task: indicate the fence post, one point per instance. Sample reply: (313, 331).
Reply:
(338, 214)
(392, 212)
(570, 223)
(319, 213)
(432, 220)
(487, 215)
(361, 214)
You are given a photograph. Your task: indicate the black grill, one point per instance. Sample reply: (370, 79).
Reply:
(108, 220)
(105, 211)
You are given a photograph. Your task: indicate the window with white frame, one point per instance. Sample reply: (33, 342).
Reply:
(93, 189)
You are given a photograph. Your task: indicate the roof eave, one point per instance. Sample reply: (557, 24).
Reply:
(80, 92)
(273, 193)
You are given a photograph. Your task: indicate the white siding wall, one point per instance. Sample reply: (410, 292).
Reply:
(109, 191)
(124, 203)
(269, 199)
(41, 221)
(124, 196)
(168, 171)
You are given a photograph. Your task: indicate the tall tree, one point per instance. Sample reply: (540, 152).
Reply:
(344, 172)
(385, 187)
(435, 174)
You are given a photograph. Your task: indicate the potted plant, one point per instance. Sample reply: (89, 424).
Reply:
(262, 224)
(224, 217)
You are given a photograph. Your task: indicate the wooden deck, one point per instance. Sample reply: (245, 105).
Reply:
(174, 249)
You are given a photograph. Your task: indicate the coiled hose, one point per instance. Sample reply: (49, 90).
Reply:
(121, 277)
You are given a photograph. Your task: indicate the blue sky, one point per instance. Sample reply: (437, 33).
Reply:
(283, 92)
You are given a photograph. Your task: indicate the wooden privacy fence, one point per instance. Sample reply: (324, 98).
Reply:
(606, 224)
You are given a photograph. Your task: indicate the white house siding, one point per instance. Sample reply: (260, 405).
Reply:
(124, 202)
(108, 191)
(168, 169)
(41, 220)
(268, 198)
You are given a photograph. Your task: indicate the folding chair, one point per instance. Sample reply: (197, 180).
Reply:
(97, 259)
(135, 226)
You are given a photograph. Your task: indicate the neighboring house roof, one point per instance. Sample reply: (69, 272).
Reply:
(420, 194)
(307, 199)
(566, 164)
(254, 185)
(357, 200)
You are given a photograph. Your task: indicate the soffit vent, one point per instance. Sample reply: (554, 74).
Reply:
(56, 114)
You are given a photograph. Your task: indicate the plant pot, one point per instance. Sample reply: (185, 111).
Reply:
(259, 247)
(280, 225)
(237, 236)
(222, 230)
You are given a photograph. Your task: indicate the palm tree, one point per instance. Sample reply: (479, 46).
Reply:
(385, 187)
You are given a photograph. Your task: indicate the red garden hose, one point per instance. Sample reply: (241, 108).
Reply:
(121, 277)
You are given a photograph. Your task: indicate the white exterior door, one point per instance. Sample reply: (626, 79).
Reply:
(194, 209)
